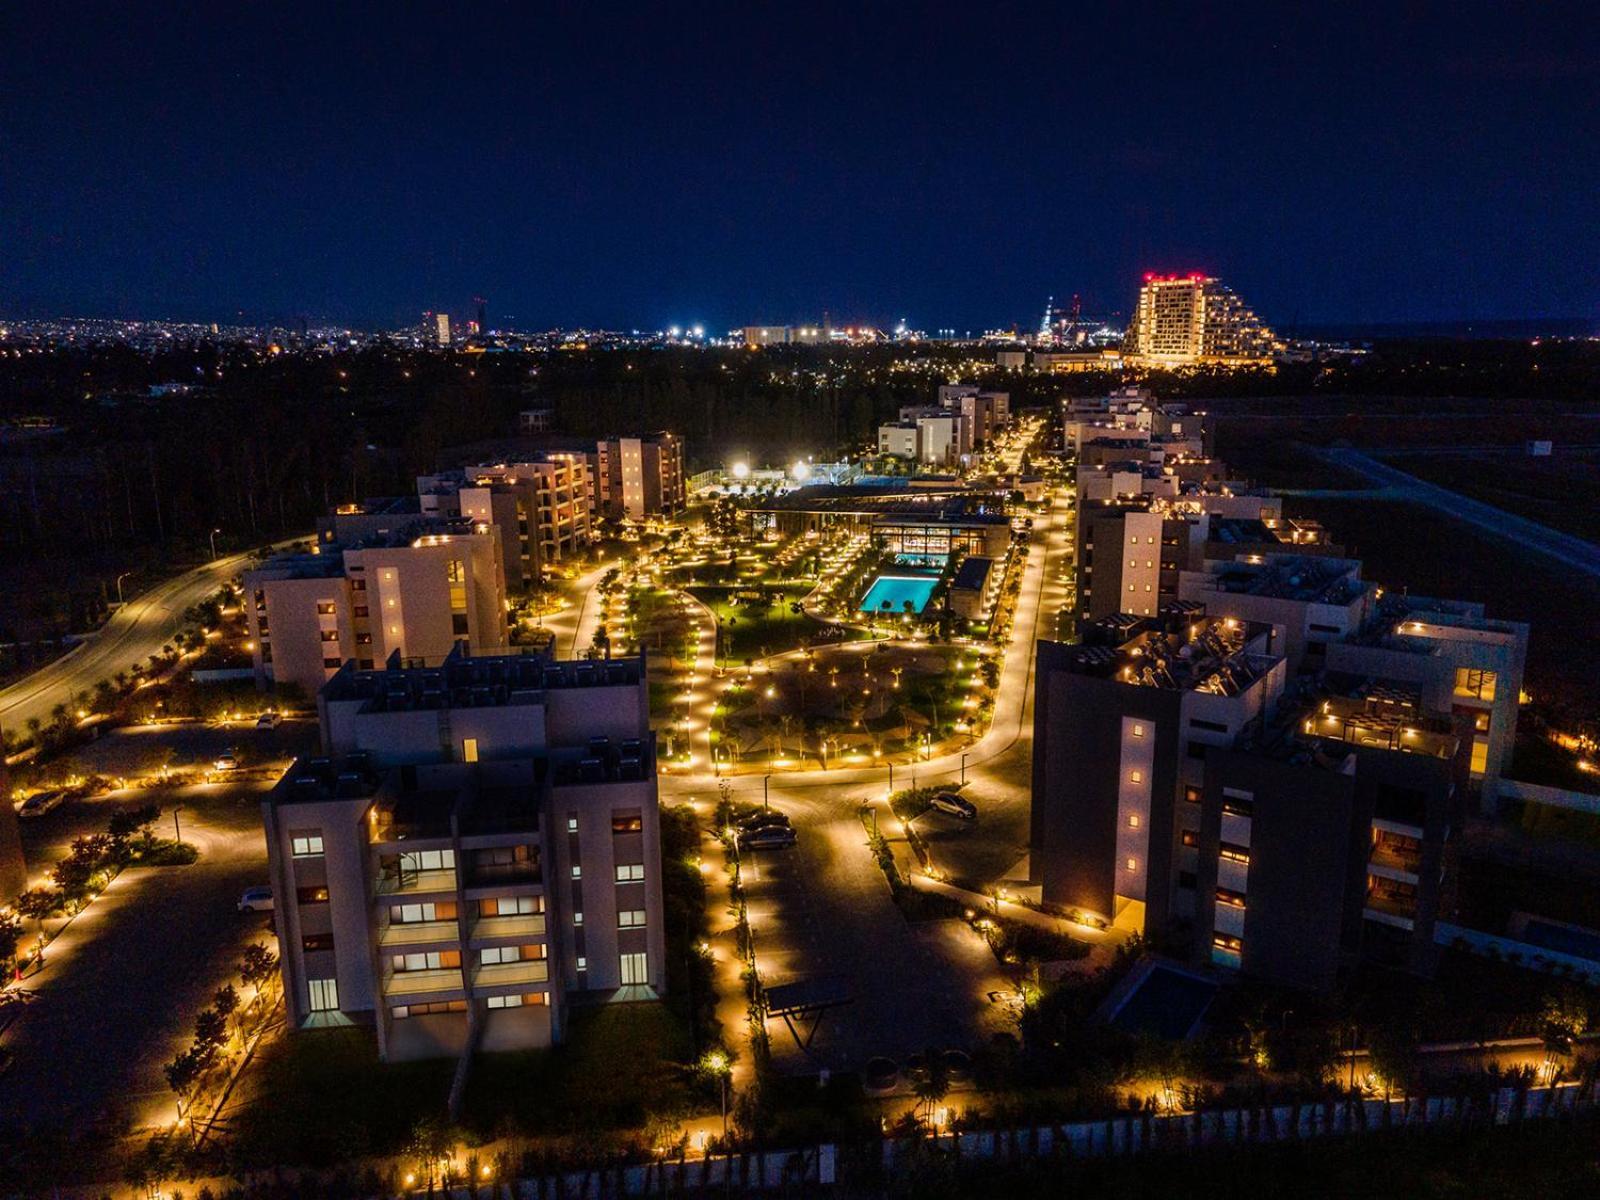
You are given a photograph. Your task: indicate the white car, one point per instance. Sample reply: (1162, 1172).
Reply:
(256, 899)
(227, 761)
(40, 803)
(955, 806)
(767, 837)
(268, 720)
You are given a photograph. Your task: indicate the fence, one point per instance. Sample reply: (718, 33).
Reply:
(1137, 1133)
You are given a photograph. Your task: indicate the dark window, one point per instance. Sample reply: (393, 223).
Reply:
(332, 663)
(1197, 750)
(1213, 726)
(1239, 808)
(317, 941)
(1315, 628)
(312, 895)
(458, 623)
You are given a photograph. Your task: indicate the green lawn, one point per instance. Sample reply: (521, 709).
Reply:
(757, 630)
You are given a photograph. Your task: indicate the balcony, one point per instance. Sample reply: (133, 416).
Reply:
(1394, 862)
(416, 883)
(517, 974)
(1401, 913)
(1236, 829)
(527, 925)
(416, 933)
(1235, 876)
(422, 983)
(1230, 920)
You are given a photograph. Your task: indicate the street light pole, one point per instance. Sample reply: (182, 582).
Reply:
(120, 578)
(963, 769)
(177, 833)
(214, 533)
(766, 805)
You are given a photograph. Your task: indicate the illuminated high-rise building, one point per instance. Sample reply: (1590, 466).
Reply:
(1186, 319)
(443, 322)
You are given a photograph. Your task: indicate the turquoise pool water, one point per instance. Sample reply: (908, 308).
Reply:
(897, 589)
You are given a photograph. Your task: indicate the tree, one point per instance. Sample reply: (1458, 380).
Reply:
(10, 939)
(181, 1073)
(225, 1001)
(256, 966)
(933, 1085)
(1392, 1051)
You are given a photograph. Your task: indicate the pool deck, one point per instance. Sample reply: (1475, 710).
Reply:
(897, 589)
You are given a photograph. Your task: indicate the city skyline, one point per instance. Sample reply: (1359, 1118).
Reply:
(641, 171)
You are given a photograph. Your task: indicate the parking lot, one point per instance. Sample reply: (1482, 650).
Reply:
(823, 909)
(123, 981)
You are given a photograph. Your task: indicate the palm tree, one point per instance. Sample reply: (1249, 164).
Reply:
(934, 1083)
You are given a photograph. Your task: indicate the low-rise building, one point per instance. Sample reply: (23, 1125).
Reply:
(974, 588)
(478, 847)
(540, 508)
(416, 592)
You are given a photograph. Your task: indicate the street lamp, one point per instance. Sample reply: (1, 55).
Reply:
(766, 805)
(214, 533)
(177, 833)
(963, 769)
(120, 578)
(717, 1063)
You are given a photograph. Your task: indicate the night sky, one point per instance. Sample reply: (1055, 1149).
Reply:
(639, 167)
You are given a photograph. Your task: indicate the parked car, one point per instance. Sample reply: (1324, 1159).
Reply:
(40, 803)
(955, 806)
(761, 820)
(768, 837)
(256, 899)
(227, 761)
(268, 720)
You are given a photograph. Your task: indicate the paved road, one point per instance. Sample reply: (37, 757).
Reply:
(1563, 547)
(121, 985)
(135, 631)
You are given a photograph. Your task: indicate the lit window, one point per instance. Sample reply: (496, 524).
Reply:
(630, 872)
(1133, 820)
(1133, 865)
(632, 918)
(324, 994)
(1138, 731)
(469, 750)
(577, 918)
(1135, 776)
(572, 824)
(304, 845)
(577, 871)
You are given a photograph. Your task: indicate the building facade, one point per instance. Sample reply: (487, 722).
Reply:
(478, 847)
(639, 477)
(1183, 320)
(415, 594)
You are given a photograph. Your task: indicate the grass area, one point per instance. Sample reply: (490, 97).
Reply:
(325, 1098)
(620, 1067)
(1562, 491)
(756, 630)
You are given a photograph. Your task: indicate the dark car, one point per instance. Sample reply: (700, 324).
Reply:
(768, 837)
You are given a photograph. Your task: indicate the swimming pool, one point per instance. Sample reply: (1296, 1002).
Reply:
(1563, 939)
(896, 590)
(1166, 1004)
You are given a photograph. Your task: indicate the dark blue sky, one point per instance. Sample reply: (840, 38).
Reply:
(644, 165)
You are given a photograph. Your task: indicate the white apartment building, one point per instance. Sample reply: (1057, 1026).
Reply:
(415, 595)
(479, 844)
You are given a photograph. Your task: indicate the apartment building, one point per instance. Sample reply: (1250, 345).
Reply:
(1459, 660)
(415, 593)
(477, 849)
(1183, 320)
(899, 440)
(1326, 617)
(541, 508)
(1131, 554)
(1122, 724)
(982, 413)
(639, 477)
(1242, 822)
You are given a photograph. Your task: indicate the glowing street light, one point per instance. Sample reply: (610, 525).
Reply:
(740, 470)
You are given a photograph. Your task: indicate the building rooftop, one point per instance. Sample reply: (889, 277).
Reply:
(973, 573)
(462, 681)
(1182, 650)
(1309, 580)
(311, 780)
